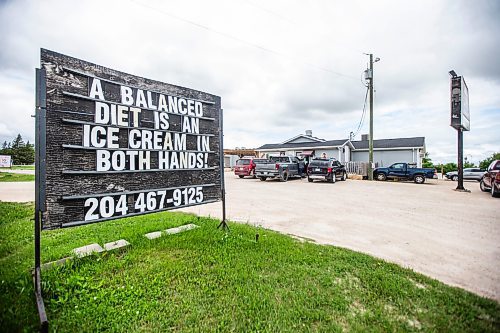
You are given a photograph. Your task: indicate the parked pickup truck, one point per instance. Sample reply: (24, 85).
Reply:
(281, 167)
(404, 171)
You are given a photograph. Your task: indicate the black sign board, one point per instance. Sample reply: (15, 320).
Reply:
(460, 115)
(120, 145)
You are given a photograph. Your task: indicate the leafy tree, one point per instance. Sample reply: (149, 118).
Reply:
(26, 154)
(6, 149)
(427, 162)
(21, 152)
(485, 163)
(469, 165)
(446, 167)
(18, 142)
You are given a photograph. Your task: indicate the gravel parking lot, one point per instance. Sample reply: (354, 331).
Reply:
(451, 236)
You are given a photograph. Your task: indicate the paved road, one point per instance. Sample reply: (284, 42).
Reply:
(17, 191)
(451, 236)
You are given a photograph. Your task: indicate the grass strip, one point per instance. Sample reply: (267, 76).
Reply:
(16, 177)
(207, 280)
(19, 167)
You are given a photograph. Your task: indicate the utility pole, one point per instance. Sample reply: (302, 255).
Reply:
(370, 139)
(369, 77)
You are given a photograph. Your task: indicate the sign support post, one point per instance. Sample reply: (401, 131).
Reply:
(460, 120)
(223, 223)
(39, 191)
(460, 185)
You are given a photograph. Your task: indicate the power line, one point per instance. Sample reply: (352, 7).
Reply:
(232, 37)
(295, 24)
(363, 114)
(284, 18)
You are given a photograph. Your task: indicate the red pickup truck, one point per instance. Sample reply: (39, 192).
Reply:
(245, 166)
(491, 179)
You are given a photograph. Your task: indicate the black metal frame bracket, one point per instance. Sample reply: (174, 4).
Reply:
(40, 150)
(223, 223)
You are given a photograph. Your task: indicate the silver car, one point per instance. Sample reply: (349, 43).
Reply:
(469, 174)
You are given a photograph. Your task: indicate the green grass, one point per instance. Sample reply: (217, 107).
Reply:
(16, 177)
(207, 280)
(19, 167)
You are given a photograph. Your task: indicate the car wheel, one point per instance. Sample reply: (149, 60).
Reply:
(310, 180)
(419, 179)
(381, 176)
(263, 178)
(483, 186)
(494, 193)
(344, 176)
(241, 176)
(454, 178)
(334, 178)
(284, 178)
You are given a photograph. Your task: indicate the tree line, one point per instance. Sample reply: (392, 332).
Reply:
(427, 163)
(22, 152)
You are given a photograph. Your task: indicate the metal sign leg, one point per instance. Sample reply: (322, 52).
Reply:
(39, 192)
(223, 223)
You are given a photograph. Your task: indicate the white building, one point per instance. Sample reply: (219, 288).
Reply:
(385, 151)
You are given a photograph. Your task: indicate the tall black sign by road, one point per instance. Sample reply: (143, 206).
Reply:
(460, 114)
(112, 145)
(119, 145)
(460, 119)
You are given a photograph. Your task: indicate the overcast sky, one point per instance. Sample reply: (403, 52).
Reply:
(280, 67)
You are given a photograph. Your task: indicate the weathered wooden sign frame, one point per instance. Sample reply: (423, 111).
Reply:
(459, 99)
(460, 120)
(111, 145)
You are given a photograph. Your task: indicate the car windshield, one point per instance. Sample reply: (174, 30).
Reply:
(242, 162)
(320, 162)
(281, 159)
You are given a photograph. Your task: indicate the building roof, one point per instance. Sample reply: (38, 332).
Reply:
(303, 145)
(391, 143)
(415, 142)
(302, 136)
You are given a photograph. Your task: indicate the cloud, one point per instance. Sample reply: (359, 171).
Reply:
(280, 67)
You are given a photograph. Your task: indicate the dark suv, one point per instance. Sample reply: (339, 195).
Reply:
(491, 179)
(326, 169)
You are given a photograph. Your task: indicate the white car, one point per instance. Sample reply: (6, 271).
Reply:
(469, 174)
